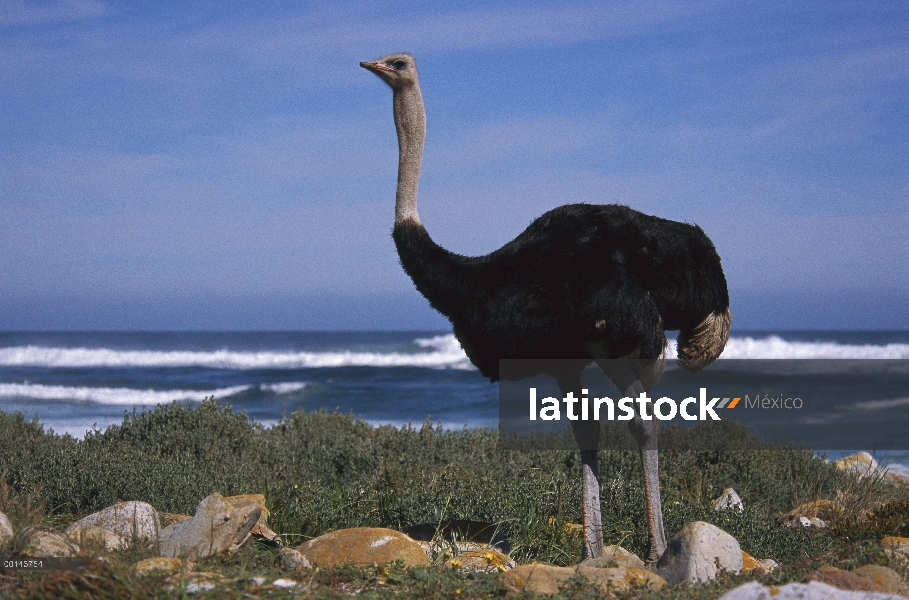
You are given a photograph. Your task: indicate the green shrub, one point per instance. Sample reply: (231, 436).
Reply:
(322, 471)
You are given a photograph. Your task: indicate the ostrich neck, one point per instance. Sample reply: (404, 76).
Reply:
(410, 121)
(437, 273)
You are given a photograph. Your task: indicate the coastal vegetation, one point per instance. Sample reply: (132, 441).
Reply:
(323, 471)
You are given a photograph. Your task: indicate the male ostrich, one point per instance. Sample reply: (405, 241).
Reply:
(582, 282)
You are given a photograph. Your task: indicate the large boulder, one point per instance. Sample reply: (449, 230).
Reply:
(860, 464)
(118, 525)
(699, 552)
(363, 546)
(45, 541)
(614, 556)
(801, 591)
(870, 578)
(217, 526)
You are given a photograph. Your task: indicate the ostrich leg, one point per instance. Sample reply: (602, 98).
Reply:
(625, 374)
(587, 435)
(645, 434)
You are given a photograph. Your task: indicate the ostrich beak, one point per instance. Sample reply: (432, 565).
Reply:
(376, 66)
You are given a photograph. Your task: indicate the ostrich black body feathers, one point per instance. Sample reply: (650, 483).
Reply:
(579, 275)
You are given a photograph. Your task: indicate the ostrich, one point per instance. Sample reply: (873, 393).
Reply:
(590, 283)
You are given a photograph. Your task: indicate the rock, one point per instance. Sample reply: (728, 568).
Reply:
(613, 582)
(801, 591)
(811, 514)
(860, 464)
(440, 548)
(259, 499)
(897, 549)
(158, 564)
(6, 529)
(728, 499)
(770, 565)
(699, 552)
(284, 583)
(756, 566)
(118, 525)
(93, 537)
(750, 563)
(870, 578)
(260, 529)
(362, 546)
(483, 560)
(167, 519)
(43, 540)
(536, 579)
(194, 582)
(469, 557)
(216, 527)
(614, 556)
(796, 521)
(896, 478)
(546, 579)
(292, 559)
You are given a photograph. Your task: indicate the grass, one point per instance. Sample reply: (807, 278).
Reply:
(323, 471)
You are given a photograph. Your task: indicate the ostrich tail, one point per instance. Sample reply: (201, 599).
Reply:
(703, 345)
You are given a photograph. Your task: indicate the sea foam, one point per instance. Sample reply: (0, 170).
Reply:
(776, 347)
(108, 395)
(439, 352)
(445, 352)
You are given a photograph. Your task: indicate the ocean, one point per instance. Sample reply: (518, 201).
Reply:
(76, 382)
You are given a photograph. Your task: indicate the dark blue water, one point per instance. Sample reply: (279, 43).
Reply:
(73, 382)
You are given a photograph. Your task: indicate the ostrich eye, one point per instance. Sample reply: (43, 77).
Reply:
(399, 64)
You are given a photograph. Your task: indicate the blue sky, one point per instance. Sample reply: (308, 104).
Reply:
(174, 165)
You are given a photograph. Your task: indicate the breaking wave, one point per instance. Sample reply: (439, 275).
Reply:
(112, 396)
(776, 347)
(443, 351)
(439, 352)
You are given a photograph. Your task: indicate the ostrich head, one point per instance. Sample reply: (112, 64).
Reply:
(397, 70)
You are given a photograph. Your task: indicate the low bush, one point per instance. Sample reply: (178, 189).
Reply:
(322, 471)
